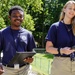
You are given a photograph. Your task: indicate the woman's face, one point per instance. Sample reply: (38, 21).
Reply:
(70, 11)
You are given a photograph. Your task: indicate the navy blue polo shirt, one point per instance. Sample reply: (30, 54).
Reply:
(15, 40)
(59, 35)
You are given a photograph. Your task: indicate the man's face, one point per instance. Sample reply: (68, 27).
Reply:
(16, 18)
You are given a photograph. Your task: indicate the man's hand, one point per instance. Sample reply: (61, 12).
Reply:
(28, 60)
(1, 69)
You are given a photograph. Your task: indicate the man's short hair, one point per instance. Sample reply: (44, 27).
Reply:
(15, 8)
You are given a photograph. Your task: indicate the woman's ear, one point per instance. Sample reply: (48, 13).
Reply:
(64, 10)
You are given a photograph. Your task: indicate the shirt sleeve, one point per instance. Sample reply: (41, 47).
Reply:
(31, 43)
(0, 45)
(1, 41)
(52, 34)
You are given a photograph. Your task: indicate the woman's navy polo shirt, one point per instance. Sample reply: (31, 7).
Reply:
(59, 35)
(15, 40)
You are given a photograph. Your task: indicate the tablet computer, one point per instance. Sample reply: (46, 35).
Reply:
(20, 56)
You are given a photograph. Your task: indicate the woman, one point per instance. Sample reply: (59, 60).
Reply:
(60, 41)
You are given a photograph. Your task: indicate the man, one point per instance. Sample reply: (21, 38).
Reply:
(15, 39)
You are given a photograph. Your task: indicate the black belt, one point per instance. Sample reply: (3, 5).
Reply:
(62, 55)
(20, 65)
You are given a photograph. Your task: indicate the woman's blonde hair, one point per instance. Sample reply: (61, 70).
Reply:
(73, 25)
(62, 12)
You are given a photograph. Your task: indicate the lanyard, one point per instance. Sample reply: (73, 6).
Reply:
(15, 40)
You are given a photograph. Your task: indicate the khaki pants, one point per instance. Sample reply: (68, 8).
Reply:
(25, 70)
(63, 66)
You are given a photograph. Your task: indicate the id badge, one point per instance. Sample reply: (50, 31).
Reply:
(16, 66)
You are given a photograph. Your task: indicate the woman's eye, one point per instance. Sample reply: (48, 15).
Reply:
(70, 8)
(74, 9)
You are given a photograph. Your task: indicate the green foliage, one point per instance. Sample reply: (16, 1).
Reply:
(36, 5)
(28, 22)
(2, 23)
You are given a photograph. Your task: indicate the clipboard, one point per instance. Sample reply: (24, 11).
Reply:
(20, 56)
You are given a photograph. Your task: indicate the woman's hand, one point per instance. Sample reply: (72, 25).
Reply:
(66, 50)
(28, 60)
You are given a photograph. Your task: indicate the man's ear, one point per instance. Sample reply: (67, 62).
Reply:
(9, 17)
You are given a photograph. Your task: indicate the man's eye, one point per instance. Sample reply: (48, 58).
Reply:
(17, 16)
(14, 16)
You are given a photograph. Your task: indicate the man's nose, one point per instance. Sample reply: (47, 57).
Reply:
(18, 17)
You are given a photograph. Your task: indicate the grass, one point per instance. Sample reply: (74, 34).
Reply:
(42, 63)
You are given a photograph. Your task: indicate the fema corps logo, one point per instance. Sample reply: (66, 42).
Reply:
(23, 37)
